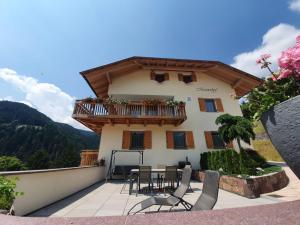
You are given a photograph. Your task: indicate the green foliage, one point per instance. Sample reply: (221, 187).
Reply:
(268, 94)
(39, 160)
(11, 163)
(235, 127)
(25, 131)
(231, 162)
(7, 192)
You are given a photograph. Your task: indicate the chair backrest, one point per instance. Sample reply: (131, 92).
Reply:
(185, 182)
(210, 190)
(171, 173)
(144, 173)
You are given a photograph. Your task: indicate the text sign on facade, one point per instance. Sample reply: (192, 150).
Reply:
(212, 90)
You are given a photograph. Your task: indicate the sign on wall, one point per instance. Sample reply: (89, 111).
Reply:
(204, 89)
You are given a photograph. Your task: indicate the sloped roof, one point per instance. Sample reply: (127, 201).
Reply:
(100, 77)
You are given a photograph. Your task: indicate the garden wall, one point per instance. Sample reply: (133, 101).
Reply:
(43, 187)
(250, 187)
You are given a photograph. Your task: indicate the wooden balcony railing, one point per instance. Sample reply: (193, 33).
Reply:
(132, 113)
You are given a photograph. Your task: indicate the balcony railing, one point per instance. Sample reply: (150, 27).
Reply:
(130, 113)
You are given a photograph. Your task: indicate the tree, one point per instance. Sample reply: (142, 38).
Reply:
(39, 160)
(235, 127)
(11, 163)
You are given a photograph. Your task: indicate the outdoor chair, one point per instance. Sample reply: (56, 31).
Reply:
(172, 200)
(209, 195)
(144, 176)
(159, 179)
(170, 177)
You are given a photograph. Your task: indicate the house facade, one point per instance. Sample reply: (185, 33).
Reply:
(165, 107)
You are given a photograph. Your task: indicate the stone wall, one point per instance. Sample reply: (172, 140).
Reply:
(250, 187)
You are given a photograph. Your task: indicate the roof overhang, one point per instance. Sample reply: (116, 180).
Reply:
(100, 77)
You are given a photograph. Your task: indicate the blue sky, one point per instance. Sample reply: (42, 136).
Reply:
(51, 41)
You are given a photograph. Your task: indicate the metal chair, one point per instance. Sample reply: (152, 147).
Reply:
(173, 200)
(170, 177)
(144, 176)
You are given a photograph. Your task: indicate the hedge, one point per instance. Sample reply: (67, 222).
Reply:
(230, 162)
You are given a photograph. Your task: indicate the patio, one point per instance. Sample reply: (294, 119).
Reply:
(105, 199)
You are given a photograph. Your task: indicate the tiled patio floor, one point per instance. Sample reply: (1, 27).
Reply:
(105, 199)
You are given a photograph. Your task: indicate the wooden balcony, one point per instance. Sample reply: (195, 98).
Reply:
(95, 115)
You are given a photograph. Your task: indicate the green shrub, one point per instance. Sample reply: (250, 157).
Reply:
(7, 192)
(230, 162)
(11, 163)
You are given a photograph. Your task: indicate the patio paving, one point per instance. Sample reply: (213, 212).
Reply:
(105, 199)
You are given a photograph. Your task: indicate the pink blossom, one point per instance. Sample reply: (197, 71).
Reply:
(258, 61)
(285, 59)
(265, 56)
(285, 73)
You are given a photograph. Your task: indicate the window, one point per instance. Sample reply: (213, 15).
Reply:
(159, 77)
(210, 105)
(179, 140)
(137, 140)
(187, 79)
(217, 141)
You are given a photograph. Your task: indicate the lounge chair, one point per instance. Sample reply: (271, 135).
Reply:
(173, 200)
(209, 195)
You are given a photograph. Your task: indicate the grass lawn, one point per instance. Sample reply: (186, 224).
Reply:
(266, 149)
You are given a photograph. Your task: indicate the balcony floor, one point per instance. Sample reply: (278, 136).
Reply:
(105, 199)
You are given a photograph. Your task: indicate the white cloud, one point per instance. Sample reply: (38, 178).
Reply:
(7, 98)
(276, 40)
(46, 98)
(294, 5)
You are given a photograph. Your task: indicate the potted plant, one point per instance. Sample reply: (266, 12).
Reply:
(8, 194)
(276, 102)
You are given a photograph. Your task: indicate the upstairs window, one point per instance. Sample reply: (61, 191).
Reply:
(210, 105)
(187, 78)
(159, 77)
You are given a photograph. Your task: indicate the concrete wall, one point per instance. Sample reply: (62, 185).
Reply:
(43, 187)
(139, 83)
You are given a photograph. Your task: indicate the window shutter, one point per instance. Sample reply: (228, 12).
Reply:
(194, 76)
(189, 139)
(219, 105)
(148, 139)
(208, 139)
(126, 139)
(170, 139)
(152, 75)
(202, 104)
(180, 77)
(166, 76)
(229, 145)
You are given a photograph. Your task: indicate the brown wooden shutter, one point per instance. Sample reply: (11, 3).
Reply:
(170, 139)
(208, 139)
(152, 75)
(126, 139)
(180, 77)
(194, 76)
(229, 145)
(202, 104)
(189, 139)
(219, 105)
(166, 76)
(148, 139)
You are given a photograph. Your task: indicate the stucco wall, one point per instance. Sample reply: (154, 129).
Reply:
(139, 83)
(44, 187)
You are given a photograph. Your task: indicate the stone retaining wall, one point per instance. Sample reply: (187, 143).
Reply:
(250, 187)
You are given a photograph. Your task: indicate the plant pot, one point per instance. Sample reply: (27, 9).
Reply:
(282, 123)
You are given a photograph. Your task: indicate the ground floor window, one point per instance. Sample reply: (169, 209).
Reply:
(137, 140)
(179, 140)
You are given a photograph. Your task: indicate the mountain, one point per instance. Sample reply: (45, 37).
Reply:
(39, 141)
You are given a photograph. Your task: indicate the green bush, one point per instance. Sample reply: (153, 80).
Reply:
(11, 163)
(7, 192)
(230, 162)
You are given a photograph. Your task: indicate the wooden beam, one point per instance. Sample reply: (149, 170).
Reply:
(162, 122)
(128, 122)
(178, 123)
(170, 68)
(145, 123)
(111, 122)
(108, 77)
(236, 83)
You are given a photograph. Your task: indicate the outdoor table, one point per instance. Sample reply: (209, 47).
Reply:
(153, 170)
